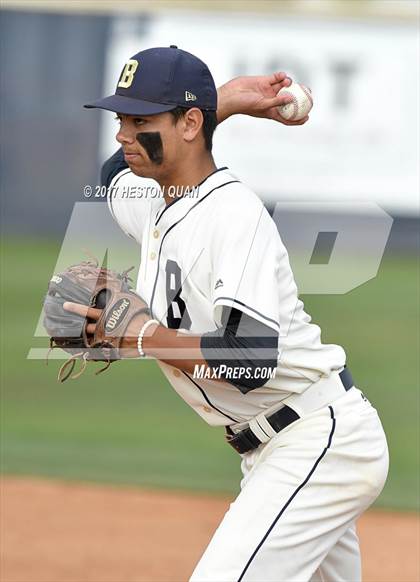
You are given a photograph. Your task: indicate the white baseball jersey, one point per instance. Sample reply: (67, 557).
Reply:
(216, 247)
(304, 488)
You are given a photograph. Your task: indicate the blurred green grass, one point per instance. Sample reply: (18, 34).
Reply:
(128, 426)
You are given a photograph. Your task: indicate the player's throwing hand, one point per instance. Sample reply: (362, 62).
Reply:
(255, 96)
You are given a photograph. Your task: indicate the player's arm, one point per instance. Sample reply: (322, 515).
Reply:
(255, 96)
(241, 344)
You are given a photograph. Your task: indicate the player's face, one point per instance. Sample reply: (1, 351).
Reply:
(152, 144)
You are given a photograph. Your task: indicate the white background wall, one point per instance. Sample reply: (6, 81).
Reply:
(362, 139)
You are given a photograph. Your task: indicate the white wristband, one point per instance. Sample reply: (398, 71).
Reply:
(141, 336)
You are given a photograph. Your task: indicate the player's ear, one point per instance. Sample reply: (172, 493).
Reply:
(193, 122)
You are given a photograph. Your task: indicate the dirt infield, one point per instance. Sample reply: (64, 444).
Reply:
(59, 532)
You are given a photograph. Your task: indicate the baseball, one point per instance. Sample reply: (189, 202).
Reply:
(301, 104)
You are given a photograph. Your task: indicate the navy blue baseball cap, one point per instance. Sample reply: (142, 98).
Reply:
(158, 80)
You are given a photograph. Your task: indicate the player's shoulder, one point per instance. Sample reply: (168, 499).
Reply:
(116, 173)
(123, 184)
(129, 197)
(114, 166)
(236, 199)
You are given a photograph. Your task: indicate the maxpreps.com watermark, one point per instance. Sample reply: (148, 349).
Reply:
(132, 192)
(223, 372)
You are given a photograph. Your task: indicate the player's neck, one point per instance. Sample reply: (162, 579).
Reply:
(187, 176)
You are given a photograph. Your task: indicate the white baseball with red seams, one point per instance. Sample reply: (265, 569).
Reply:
(300, 106)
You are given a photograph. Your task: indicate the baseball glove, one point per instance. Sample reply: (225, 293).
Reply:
(93, 286)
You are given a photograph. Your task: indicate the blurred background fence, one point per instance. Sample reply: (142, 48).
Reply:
(360, 59)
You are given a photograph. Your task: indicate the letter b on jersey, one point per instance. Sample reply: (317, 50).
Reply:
(127, 75)
(177, 314)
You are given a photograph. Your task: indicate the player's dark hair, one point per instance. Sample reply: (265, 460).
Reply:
(209, 123)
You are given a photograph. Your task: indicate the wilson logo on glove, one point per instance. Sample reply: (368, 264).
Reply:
(117, 315)
(88, 284)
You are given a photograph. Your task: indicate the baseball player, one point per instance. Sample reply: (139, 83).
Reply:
(230, 333)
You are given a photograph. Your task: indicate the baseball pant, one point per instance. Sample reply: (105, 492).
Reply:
(294, 519)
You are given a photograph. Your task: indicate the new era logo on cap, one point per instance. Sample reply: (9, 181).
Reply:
(189, 96)
(154, 81)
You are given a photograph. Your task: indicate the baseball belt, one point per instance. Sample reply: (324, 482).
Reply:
(262, 427)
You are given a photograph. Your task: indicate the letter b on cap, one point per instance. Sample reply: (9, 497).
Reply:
(127, 75)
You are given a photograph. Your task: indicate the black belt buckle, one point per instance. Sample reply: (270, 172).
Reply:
(245, 440)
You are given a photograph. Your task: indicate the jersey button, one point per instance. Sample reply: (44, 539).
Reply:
(152, 256)
(207, 409)
(156, 233)
(177, 373)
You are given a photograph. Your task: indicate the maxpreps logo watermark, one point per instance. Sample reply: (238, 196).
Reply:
(223, 372)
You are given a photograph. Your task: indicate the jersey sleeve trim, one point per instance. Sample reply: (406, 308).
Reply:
(230, 301)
